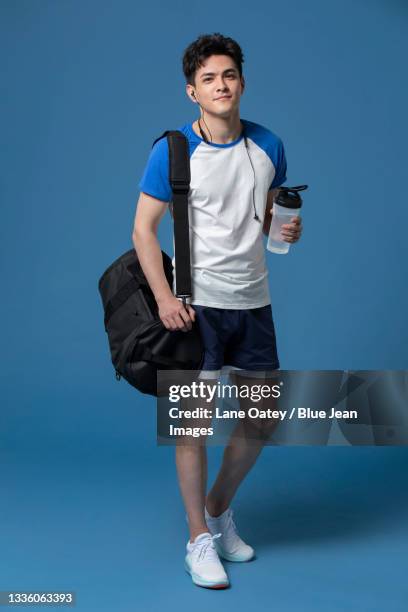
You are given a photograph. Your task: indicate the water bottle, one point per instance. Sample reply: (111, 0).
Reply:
(286, 206)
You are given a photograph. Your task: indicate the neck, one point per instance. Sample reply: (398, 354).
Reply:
(222, 129)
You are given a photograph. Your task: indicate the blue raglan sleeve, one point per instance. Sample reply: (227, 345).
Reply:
(279, 161)
(155, 179)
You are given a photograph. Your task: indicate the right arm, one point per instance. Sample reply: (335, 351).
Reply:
(149, 213)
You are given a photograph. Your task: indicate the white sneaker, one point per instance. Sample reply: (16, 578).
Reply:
(229, 546)
(203, 563)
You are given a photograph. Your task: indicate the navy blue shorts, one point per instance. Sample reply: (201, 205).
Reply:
(240, 338)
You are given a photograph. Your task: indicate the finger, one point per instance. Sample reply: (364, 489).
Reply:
(290, 234)
(295, 226)
(185, 319)
(180, 324)
(191, 312)
(170, 324)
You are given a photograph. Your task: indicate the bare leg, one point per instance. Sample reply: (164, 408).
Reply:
(239, 457)
(191, 462)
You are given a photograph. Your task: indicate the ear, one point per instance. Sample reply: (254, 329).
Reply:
(189, 92)
(242, 85)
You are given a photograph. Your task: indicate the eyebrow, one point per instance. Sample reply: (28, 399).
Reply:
(213, 73)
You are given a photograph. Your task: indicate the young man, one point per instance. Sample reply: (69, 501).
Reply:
(236, 167)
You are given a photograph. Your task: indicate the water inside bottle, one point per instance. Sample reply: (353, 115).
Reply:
(276, 244)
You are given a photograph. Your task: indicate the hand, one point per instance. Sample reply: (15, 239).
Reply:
(174, 315)
(292, 231)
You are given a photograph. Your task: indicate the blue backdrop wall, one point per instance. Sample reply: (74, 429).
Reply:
(87, 87)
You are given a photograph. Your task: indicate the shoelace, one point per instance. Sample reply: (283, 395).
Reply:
(207, 547)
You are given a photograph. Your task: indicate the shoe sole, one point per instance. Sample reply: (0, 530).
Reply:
(208, 584)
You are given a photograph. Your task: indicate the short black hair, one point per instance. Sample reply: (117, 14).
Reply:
(206, 45)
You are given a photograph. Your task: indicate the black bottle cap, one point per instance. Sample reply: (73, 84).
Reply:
(289, 196)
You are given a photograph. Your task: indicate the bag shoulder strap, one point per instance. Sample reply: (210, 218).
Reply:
(179, 178)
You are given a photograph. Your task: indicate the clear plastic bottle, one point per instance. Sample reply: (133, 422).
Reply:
(286, 206)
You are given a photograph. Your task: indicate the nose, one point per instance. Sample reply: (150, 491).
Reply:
(221, 85)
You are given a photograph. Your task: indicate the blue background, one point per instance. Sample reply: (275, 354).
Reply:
(89, 503)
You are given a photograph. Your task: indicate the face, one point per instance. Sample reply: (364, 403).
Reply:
(218, 86)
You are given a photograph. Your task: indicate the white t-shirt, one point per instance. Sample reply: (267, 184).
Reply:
(227, 253)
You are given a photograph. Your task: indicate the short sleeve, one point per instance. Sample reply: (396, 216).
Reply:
(279, 162)
(155, 179)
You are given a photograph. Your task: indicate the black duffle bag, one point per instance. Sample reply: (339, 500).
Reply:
(140, 344)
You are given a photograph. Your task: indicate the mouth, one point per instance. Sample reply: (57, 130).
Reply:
(223, 98)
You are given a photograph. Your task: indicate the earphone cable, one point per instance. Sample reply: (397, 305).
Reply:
(204, 137)
(253, 172)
